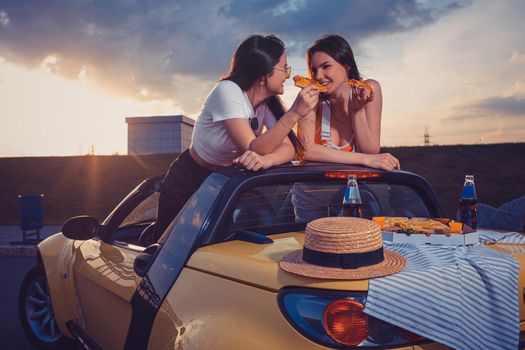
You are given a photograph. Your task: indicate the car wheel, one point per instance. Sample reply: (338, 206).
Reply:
(36, 312)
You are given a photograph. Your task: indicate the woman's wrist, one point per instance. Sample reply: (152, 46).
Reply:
(363, 158)
(359, 114)
(270, 162)
(293, 115)
(290, 119)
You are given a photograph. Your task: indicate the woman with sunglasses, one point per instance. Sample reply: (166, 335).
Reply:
(346, 125)
(229, 129)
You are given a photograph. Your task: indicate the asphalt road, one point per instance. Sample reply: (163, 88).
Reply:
(12, 271)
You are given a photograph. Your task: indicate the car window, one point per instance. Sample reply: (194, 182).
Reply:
(146, 211)
(289, 203)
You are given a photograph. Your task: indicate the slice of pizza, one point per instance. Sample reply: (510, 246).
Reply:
(359, 83)
(303, 82)
(391, 223)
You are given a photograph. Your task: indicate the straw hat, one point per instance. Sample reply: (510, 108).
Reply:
(343, 248)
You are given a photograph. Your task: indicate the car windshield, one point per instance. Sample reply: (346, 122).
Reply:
(290, 203)
(146, 211)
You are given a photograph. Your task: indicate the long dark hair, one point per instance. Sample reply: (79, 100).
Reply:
(339, 49)
(253, 59)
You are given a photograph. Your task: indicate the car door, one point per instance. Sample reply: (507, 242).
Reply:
(105, 275)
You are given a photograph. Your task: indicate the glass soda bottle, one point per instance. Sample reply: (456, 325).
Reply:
(352, 205)
(468, 203)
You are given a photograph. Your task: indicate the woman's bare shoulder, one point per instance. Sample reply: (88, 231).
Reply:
(375, 84)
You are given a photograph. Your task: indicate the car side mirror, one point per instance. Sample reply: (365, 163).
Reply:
(81, 227)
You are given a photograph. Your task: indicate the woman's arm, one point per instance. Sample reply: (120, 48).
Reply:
(284, 153)
(316, 152)
(244, 138)
(254, 161)
(320, 153)
(366, 120)
(240, 132)
(242, 135)
(304, 103)
(266, 143)
(273, 137)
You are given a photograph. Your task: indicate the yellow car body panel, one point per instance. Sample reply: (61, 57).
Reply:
(225, 298)
(57, 252)
(105, 282)
(518, 252)
(257, 264)
(91, 283)
(521, 284)
(204, 311)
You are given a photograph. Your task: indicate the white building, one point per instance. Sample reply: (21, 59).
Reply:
(164, 134)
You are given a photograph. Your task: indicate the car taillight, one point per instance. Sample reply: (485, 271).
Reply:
(337, 320)
(360, 174)
(345, 321)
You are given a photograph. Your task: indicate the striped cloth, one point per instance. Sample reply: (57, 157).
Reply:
(465, 297)
(487, 236)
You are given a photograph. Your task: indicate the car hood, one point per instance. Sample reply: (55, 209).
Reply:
(258, 265)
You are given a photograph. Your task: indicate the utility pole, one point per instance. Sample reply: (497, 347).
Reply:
(427, 137)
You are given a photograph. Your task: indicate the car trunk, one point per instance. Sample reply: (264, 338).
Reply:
(257, 265)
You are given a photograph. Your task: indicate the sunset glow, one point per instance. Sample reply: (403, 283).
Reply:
(455, 67)
(49, 115)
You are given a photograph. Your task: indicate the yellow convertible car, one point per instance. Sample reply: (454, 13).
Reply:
(212, 280)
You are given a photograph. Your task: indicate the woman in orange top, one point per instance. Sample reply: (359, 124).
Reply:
(346, 125)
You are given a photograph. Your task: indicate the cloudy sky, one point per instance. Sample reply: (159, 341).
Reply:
(71, 71)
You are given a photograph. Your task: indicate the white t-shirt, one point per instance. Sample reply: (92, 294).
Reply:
(226, 101)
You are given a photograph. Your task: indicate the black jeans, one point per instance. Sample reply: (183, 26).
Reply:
(183, 178)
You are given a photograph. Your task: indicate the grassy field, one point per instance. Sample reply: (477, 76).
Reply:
(95, 184)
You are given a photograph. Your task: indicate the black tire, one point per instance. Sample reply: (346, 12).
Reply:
(36, 312)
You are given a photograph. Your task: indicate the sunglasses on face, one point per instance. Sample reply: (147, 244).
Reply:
(286, 69)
